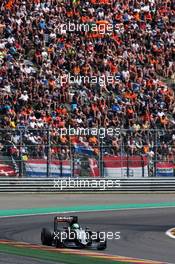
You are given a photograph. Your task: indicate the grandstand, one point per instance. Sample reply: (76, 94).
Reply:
(117, 73)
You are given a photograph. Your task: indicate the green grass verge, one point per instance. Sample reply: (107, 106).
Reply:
(83, 208)
(53, 256)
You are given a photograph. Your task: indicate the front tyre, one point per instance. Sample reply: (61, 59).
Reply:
(46, 237)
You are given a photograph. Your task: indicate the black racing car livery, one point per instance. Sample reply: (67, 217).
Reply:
(68, 233)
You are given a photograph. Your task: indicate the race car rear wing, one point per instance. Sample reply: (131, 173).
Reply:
(65, 219)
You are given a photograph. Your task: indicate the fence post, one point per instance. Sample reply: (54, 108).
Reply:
(100, 160)
(155, 150)
(61, 167)
(128, 169)
(20, 155)
(73, 161)
(143, 168)
(48, 152)
(122, 151)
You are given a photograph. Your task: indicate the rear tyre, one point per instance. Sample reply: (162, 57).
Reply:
(102, 245)
(46, 237)
(58, 244)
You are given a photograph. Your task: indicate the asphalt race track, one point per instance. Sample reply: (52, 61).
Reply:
(12, 259)
(142, 231)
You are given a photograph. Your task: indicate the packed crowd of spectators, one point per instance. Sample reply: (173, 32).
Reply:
(38, 52)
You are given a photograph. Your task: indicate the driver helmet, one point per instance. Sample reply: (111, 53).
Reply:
(75, 226)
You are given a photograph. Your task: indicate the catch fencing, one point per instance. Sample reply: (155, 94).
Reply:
(27, 152)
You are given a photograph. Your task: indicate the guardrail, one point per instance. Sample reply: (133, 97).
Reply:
(86, 185)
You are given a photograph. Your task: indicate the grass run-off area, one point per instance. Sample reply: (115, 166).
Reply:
(54, 256)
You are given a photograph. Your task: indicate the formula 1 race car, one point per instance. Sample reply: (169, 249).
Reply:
(69, 234)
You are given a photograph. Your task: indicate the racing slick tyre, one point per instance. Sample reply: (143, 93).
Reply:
(102, 245)
(59, 240)
(98, 236)
(46, 237)
(79, 244)
(90, 240)
(59, 244)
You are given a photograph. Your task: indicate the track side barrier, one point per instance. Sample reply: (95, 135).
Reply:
(86, 185)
